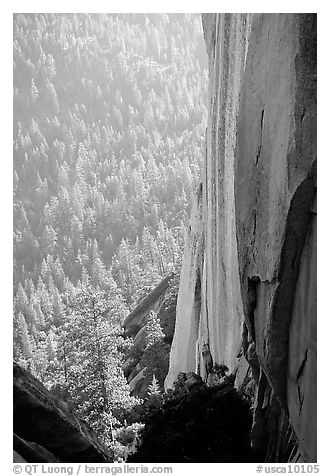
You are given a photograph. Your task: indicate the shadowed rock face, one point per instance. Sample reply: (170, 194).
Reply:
(162, 301)
(139, 316)
(257, 226)
(45, 429)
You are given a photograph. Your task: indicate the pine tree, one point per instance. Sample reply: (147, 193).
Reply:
(24, 337)
(95, 381)
(58, 308)
(154, 394)
(154, 388)
(40, 318)
(21, 300)
(52, 100)
(156, 353)
(48, 240)
(34, 91)
(154, 330)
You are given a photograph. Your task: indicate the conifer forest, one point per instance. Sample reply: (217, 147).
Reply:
(109, 139)
(165, 239)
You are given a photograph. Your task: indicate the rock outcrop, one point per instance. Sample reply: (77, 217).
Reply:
(162, 301)
(152, 301)
(45, 430)
(248, 282)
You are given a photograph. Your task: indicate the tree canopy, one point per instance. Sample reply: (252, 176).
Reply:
(109, 124)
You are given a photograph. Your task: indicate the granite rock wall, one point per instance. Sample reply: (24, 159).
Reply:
(248, 281)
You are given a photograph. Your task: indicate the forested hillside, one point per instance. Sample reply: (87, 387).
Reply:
(109, 124)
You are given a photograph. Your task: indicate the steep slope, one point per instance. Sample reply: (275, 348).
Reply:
(256, 310)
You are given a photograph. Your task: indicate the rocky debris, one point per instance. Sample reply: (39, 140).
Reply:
(193, 381)
(186, 383)
(251, 250)
(45, 430)
(213, 380)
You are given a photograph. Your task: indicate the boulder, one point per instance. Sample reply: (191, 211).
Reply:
(46, 430)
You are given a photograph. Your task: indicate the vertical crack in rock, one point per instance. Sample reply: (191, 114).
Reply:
(302, 115)
(260, 142)
(302, 365)
(301, 369)
(197, 299)
(252, 303)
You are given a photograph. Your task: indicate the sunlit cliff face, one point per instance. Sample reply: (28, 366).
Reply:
(252, 242)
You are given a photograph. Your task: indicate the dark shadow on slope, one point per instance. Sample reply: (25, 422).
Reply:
(206, 425)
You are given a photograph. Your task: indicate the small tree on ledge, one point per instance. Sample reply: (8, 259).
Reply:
(154, 393)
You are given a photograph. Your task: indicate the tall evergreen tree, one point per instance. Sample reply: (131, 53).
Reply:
(92, 360)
